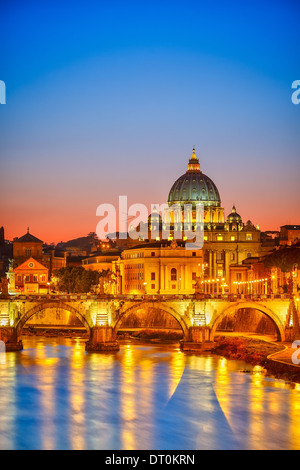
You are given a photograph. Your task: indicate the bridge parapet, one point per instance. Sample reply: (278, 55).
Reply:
(162, 297)
(107, 311)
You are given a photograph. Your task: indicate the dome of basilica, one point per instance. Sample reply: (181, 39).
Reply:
(194, 186)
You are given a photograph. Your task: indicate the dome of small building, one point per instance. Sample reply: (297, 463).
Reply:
(154, 216)
(194, 186)
(234, 217)
(155, 219)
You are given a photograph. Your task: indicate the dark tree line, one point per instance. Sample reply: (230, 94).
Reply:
(284, 258)
(76, 279)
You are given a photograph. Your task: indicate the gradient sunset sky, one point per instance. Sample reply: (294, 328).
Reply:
(108, 98)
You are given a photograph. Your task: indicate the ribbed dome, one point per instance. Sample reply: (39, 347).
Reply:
(194, 186)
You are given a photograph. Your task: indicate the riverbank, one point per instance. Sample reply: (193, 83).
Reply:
(55, 331)
(258, 352)
(157, 335)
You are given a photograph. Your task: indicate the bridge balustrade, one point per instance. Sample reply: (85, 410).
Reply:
(197, 296)
(102, 331)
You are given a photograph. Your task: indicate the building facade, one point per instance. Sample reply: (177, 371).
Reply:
(226, 240)
(29, 246)
(289, 234)
(30, 277)
(146, 265)
(161, 267)
(26, 247)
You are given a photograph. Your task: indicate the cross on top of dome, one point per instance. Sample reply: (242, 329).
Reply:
(193, 164)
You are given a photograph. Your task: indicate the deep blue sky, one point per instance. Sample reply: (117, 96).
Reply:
(108, 98)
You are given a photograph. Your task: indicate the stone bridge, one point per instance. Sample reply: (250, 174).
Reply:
(101, 315)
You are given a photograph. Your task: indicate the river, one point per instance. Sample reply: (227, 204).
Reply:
(54, 395)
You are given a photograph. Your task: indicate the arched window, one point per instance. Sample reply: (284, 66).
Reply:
(173, 274)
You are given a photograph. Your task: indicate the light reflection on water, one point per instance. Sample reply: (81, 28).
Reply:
(54, 395)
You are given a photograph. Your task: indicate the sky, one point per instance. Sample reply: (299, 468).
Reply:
(108, 98)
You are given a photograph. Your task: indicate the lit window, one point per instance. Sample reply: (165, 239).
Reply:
(249, 236)
(232, 238)
(219, 238)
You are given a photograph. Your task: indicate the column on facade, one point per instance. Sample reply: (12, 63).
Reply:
(210, 264)
(161, 274)
(178, 220)
(214, 265)
(226, 266)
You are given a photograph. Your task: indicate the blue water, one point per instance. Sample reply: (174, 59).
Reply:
(54, 395)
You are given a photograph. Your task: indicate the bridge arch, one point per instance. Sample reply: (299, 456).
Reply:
(40, 307)
(256, 306)
(158, 305)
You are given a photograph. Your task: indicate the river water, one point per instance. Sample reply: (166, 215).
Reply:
(54, 395)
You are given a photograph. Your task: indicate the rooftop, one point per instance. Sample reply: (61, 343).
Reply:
(28, 238)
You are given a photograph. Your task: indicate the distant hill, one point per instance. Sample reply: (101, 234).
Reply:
(81, 243)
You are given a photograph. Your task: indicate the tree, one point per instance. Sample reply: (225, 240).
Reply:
(76, 279)
(284, 258)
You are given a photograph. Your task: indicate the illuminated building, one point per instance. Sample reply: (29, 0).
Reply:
(101, 260)
(289, 234)
(29, 246)
(145, 265)
(226, 241)
(253, 277)
(26, 247)
(54, 260)
(30, 277)
(161, 267)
